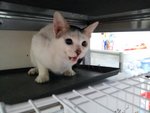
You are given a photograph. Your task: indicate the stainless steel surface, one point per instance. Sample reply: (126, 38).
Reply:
(124, 25)
(24, 16)
(129, 15)
(125, 21)
(20, 17)
(36, 11)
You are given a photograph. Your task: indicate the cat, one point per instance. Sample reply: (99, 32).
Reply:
(57, 47)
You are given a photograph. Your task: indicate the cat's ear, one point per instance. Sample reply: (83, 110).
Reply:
(88, 30)
(60, 25)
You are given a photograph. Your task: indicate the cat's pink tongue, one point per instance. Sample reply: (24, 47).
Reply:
(73, 59)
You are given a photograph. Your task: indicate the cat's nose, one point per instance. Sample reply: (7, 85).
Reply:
(78, 51)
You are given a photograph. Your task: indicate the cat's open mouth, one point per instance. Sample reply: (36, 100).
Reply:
(73, 59)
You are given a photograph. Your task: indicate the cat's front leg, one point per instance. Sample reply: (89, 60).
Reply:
(69, 72)
(43, 74)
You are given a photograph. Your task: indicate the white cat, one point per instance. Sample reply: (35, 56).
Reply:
(57, 47)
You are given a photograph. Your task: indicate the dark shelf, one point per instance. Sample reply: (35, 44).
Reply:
(16, 86)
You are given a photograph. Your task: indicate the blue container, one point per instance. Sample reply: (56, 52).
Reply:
(145, 64)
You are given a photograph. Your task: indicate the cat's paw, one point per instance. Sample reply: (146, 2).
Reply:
(69, 73)
(33, 71)
(42, 78)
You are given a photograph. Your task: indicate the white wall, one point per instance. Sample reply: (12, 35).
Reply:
(96, 42)
(14, 49)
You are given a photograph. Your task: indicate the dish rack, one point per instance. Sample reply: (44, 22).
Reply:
(127, 95)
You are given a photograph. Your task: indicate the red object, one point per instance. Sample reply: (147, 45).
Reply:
(146, 95)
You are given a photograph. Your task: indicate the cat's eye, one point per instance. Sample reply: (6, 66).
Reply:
(69, 41)
(84, 44)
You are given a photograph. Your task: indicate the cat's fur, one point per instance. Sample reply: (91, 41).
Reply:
(57, 47)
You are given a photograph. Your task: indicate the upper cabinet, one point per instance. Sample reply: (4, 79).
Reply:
(113, 15)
